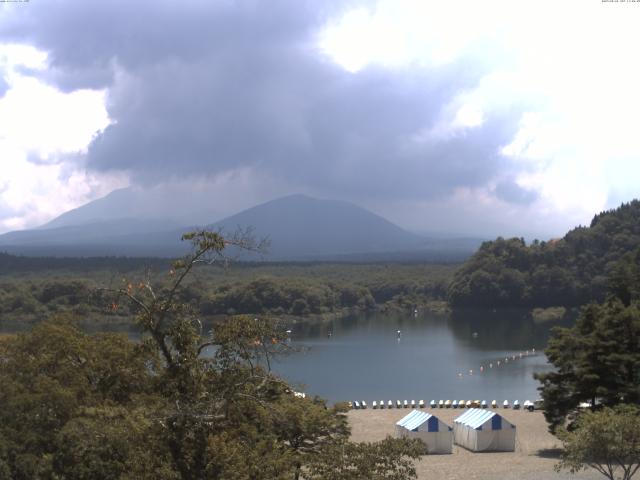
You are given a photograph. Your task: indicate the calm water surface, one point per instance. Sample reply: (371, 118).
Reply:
(365, 359)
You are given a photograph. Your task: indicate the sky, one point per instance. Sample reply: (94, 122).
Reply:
(468, 118)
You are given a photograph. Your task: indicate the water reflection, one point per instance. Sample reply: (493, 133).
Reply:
(432, 356)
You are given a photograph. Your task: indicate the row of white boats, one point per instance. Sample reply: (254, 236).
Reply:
(527, 405)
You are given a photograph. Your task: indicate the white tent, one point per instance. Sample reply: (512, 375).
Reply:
(484, 431)
(436, 435)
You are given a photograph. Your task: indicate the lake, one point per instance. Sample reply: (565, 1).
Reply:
(434, 357)
(362, 357)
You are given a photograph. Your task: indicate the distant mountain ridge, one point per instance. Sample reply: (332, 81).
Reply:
(299, 227)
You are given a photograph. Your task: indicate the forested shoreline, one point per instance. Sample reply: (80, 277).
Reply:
(572, 271)
(35, 290)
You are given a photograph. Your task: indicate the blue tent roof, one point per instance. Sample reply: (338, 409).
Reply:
(416, 418)
(476, 417)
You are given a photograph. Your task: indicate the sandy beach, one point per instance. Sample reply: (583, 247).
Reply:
(534, 458)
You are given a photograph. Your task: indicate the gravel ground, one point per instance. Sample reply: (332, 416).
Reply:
(534, 458)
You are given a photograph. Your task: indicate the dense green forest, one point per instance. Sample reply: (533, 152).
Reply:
(571, 271)
(178, 404)
(32, 289)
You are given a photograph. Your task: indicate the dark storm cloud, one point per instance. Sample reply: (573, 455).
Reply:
(215, 86)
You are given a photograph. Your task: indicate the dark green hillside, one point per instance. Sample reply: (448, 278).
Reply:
(570, 271)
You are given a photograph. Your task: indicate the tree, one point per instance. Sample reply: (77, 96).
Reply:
(180, 404)
(226, 415)
(596, 361)
(390, 459)
(607, 441)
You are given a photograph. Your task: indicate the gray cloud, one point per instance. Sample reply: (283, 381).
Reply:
(4, 86)
(511, 192)
(216, 86)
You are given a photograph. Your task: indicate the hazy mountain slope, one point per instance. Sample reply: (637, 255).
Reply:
(175, 207)
(298, 225)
